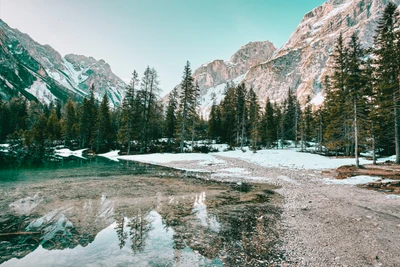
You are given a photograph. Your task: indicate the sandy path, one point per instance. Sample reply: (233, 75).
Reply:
(323, 225)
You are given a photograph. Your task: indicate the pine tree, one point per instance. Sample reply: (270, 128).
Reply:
(254, 118)
(171, 116)
(104, 131)
(336, 106)
(214, 121)
(18, 114)
(149, 108)
(70, 121)
(308, 120)
(128, 131)
(87, 121)
(229, 116)
(241, 114)
(38, 134)
(193, 110)
(387, 71)
(290, 117)
(186, 101)
(53, 127)
(356, 87)
(268, 126)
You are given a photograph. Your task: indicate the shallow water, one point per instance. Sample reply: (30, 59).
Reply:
(103, 213)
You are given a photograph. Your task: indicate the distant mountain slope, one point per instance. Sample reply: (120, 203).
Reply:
(304, 60)
(213, 76)
(38, 71)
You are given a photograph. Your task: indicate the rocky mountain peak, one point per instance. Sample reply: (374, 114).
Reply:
(51, 75)
(212, 76)
(305, 59)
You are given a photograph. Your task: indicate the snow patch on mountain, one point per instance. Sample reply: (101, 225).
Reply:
(318, 100)
(217, 93)
(213, 76)
(39, 90)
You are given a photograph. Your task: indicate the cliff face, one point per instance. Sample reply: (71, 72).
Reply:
(305, 59)
(219, 71)
(40, 72)
(213, 76)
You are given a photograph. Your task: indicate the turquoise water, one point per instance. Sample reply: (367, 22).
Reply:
(103, 213)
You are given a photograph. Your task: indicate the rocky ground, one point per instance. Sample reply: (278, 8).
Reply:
(322, 224)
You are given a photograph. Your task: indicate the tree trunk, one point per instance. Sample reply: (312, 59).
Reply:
(373, 150)
(356, 135)
(243, 128)
(192, 134)
(396, 127)
(302, 138)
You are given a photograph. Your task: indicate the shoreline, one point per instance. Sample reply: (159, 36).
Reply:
(323, 223)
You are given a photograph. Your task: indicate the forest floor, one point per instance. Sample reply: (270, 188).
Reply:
(325, 221)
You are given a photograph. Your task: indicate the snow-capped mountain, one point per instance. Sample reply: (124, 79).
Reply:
(213, 76)
(304, 60)
(38, 71)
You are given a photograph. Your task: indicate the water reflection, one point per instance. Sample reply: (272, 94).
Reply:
(130, 220)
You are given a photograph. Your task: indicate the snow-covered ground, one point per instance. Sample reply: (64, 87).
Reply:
(65, 152)
(289, 158)
(159, 158)
(360, 179)
(4, 147)
(112, 155)
(270, 158)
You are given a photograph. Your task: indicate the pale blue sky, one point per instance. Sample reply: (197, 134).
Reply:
(131, 34)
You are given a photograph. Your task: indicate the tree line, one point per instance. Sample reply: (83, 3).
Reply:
(138, 125)
(360, 112)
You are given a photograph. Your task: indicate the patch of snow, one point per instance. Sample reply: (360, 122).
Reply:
(206, 100)
(318, 99)
(392, 196)
(65, 152)
(289, 158)
(355, 180)
(391, 158)
(206, 159)
(41, 92)
(112, 155)
(74, 75)
(220, 147)
(4, 148)
(9, 84)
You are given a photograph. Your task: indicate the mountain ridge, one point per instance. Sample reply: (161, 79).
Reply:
(213, 75)
(53, 76)
(303, 61)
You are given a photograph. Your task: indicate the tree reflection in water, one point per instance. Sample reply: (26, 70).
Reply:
(136, 228)
(140, 226)
(119, 228)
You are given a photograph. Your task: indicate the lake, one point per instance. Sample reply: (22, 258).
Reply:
(96, 212)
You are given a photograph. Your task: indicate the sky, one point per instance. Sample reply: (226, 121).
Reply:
(164, 34)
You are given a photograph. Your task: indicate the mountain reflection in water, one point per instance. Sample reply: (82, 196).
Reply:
(122, 219)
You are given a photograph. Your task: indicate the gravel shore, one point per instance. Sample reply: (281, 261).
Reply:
(322, 224)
